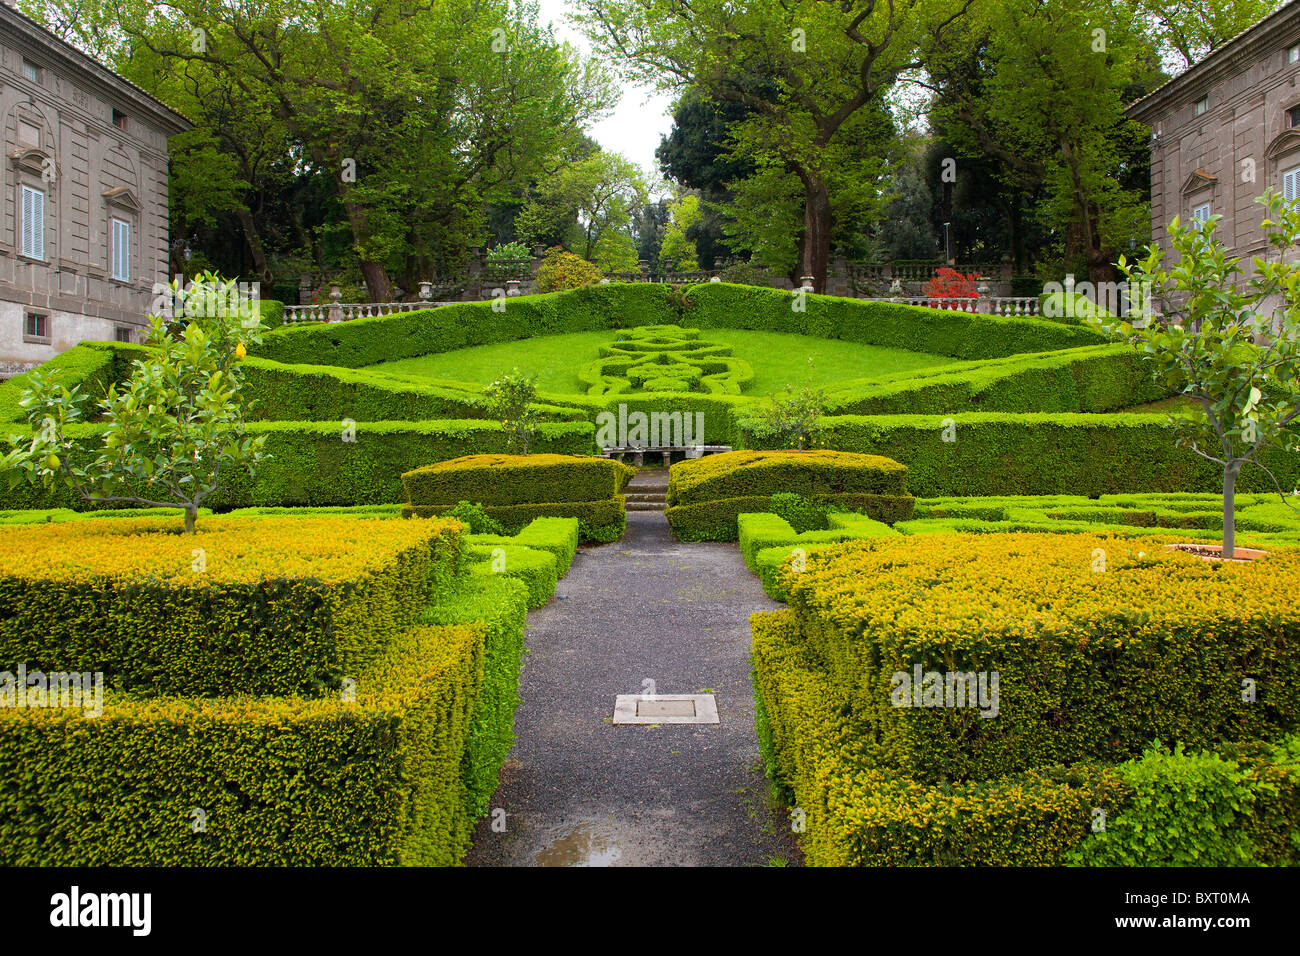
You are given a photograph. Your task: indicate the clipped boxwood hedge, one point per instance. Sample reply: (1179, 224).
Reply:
(754, 473)
(1038, 453)
(516, 479)
(277, 392)
(361, 342)
(129, 597)
(873, 322)
(310, 464)
(515, 489)
(1091, 665)
(501, 604)
(707, 495)
(1098, 378)
(279, 781)
(604, 520)
(860, 814)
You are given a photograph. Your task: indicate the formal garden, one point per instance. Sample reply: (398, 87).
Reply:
(1027, 619)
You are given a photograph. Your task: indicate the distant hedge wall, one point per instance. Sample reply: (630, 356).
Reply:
(1039, 453)
(408, 334)
(873, 322)
(311, 464)
(1093, 379)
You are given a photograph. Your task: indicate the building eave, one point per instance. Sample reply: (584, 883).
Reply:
(1226, 59)
(89, 72)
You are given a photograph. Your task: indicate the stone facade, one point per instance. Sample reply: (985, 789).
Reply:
(84, 152)
(1225, 130)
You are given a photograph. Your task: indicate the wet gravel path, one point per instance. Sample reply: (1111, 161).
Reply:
(578, 790)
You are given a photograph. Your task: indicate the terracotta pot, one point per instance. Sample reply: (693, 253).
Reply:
(1214, 552)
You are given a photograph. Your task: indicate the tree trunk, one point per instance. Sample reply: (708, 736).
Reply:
(378, 284)
(1230, 473)
(191, 515)
(817, 223)
(254, 239)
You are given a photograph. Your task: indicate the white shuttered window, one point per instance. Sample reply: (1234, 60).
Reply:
(32, 241)
(121, 250)
(1291, 184)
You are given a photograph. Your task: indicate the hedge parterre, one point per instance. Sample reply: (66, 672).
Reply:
(283, 605)
(1092, 645)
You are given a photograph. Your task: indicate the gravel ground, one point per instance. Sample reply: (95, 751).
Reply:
(577, 790)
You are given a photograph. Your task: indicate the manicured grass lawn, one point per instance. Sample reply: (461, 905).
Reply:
(778, 358)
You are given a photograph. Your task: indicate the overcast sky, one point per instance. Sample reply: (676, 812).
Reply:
(637, 122)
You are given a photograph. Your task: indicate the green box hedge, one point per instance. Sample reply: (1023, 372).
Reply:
(1034, 454)
(516, 480)
(310, 464)
(892, 325)
(277, 392)
(707, 495)
(717, 520)
(855, 814)
(363, 342)
(765, 473)
(501, 605)
(859, 814)
(1099, 378)
(257, 614)
(559, 536)
(603, 521)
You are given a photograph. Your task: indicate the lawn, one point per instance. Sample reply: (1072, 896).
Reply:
(778, 358)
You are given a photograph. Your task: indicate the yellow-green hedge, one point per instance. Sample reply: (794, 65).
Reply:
(279, 781)
(1094, 660)
(603, 520)
(280, 606)
(516, 480)
(856, 814)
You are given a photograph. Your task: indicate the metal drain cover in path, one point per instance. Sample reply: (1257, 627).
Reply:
(665, 709)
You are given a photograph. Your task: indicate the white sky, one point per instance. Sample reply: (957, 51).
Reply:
(641, 117)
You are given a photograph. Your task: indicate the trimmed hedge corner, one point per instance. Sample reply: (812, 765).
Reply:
(707, 495)
(515, 489)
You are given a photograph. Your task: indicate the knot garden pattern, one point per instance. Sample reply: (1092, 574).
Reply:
(665, 358)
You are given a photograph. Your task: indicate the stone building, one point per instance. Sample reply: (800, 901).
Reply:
(83, 197)
(1226, 130)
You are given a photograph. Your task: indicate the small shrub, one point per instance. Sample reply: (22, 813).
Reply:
(951, 284)
(472, 515)
(510, 400)
(562, 270)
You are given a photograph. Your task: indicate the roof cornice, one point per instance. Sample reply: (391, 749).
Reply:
(88, 72)
(1226, 60)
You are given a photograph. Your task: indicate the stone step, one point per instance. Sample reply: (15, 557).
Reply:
(646, 506)
(645, 495)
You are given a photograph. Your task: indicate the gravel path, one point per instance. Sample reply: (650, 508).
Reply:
(578, 790)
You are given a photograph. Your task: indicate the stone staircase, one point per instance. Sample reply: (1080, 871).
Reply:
(648, 490)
